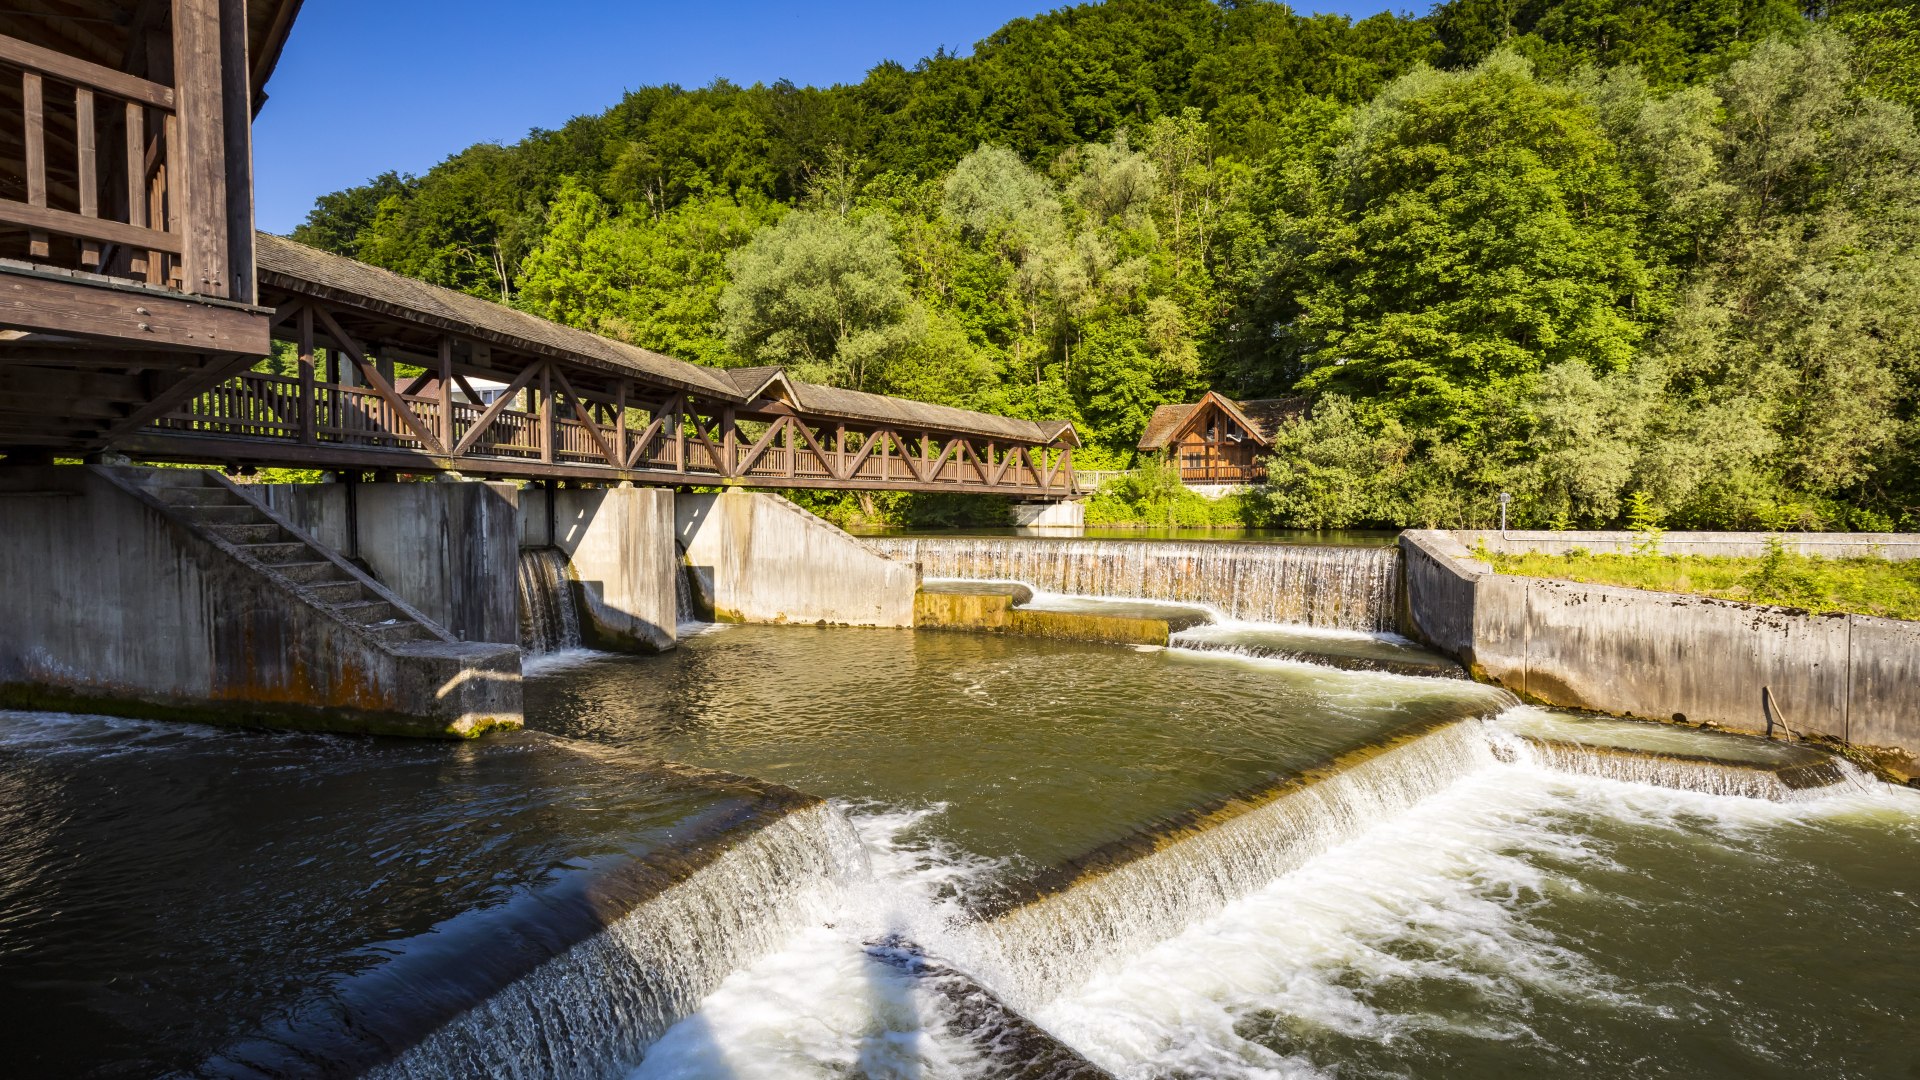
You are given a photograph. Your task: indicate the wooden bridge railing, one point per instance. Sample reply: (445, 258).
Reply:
(567, 434)
(117, 135)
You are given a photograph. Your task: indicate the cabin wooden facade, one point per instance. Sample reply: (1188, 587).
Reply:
(1218, 440)
(127, 276)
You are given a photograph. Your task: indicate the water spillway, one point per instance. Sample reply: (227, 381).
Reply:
(549, 621)
(1353, 588)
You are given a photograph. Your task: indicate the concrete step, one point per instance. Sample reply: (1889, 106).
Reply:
(333, 592)
(400, 630)
(312, 573)
(277, 554)
(221, 515)
(367, 612)
(198, 496)
(254, 533)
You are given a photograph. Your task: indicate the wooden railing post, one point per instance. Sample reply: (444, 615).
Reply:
(620, 423)
(729, 441)
(87, 168)
(546, 412)
(309, 401)
(446, 393)
(36, 157)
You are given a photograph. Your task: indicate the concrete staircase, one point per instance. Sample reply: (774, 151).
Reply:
(219, 510)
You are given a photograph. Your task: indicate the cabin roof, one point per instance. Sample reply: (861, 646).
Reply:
(1261, 417)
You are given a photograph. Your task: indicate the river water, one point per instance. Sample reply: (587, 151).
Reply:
(1275, 849)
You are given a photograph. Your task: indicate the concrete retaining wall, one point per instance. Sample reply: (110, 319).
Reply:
(1068, 514)
(448, 549)
(115, 605)
(1897, 547)
(620, 544)
(1663, 655)
(758, 558)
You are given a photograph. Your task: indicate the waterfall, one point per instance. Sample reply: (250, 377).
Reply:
(1810, 778)
(1061, 939)
(1354, 588)
(686, 610)
(592, 1011)
(548, 620)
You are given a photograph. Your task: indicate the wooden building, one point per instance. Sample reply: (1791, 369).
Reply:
(1218, 440)
(127, 276)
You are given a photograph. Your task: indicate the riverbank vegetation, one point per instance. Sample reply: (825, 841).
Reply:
(1863, 586)
(1575, 252)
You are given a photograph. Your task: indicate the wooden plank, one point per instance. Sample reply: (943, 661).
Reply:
(446, 391)
(236, 186)
(580, 413)
(198, 162)
(87, 167)
(52, 382)
(45, 219)
(546, 411)
(646, 435)
(137, 184)
(34, 116)
(378, 384)
(494, 410)
(760, 445)
(75, 70)
(149, 319)
(309, 401)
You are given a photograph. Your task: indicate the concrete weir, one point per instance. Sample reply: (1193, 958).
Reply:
(758, 558)
(171, 593)
(1635, 652)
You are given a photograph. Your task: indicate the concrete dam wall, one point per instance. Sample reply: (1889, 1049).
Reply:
(1353, 588)
(1666, 655)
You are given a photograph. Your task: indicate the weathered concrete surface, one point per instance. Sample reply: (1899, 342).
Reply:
(1664, 655)
(620, 548)
(758, 558)
(1067, 514)
(1897, 547)
(992, 611)
(118, 604)
(449, 549)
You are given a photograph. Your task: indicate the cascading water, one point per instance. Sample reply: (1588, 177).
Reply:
(1060, 940)
(686, 609)
(548, 621)
(592, 1011)
(1354, 588)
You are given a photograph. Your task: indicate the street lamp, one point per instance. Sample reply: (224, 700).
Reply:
(1504, 500)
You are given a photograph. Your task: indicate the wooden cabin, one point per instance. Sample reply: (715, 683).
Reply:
(127, 272)
(1218, 440)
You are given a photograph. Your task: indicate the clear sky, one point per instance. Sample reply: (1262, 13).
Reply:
(367, 86)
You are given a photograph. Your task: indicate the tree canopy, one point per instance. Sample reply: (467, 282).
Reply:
(1589, 252)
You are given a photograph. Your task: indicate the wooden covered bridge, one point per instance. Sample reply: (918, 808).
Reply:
(137, 305)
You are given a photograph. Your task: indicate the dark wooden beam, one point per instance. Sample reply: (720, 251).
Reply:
(146, 317)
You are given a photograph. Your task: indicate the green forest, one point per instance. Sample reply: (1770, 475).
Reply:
(1656, 260)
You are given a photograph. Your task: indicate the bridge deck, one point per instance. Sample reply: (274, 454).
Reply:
(490, 391)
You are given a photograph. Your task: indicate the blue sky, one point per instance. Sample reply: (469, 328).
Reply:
(364, 87)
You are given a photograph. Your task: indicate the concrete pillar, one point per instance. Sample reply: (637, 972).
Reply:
(448, 549)
(619, 542)
(1067, 514)
(759, 558)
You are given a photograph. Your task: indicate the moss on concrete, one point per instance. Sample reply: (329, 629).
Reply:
(993, 612)
(270, 716)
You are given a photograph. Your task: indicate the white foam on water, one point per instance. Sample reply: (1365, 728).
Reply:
(821, 1005)
(1456, 877)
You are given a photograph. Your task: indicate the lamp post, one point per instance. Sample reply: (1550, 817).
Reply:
(1504, 500)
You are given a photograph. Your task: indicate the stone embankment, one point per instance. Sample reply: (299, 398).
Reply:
(1669, 656)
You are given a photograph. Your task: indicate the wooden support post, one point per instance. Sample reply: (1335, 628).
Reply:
(546, 412)
(840, 451)
(137, 261)
(36, 157)
(620, 422)
(446, 393)
(679, 436)
(729, 441)
(790, 422)
(87, 169)
(199, 159)
(309, 400)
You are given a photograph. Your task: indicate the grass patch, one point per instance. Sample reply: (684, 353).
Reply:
(1863, 586)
